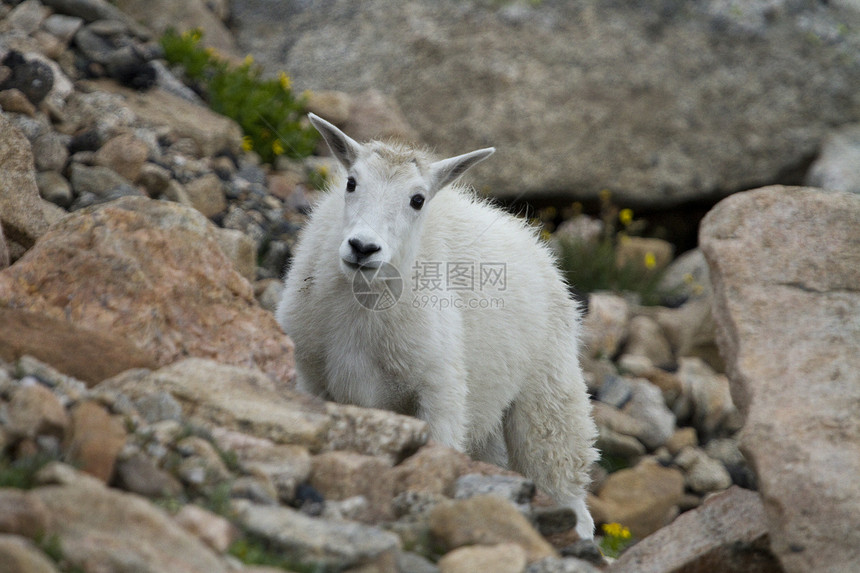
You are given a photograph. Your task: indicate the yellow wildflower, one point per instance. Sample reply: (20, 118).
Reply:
(323, 170)
(277, 148)
(249, 59)
(247, 143)
(286, 83)
(625, 216)
(650, 260)
(616, 530)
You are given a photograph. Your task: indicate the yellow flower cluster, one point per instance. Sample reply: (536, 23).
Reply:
(247, 143)
(617, 530)
(650, 260)
(286, 83)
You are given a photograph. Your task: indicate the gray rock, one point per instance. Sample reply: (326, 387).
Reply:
(562, 565)
(660, 101)
(614, 443)
(62, 27)
(518, 490)
(158, 406)
(647, 406)
(702, 474)
(707, 398)
(55, 188)
(836, 166)
(50, 151)
(30, 76)
(95, 179)
(615, 391)
(333, 544)
(139, 474)
(553, 520)
(785, 267)
(645, 338)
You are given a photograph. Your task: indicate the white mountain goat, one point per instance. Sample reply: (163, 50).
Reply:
(482, 342)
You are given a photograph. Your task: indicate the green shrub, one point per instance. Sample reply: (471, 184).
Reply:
(591, 265)
(270, 115)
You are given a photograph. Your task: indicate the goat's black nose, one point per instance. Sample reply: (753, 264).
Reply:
(362, 250)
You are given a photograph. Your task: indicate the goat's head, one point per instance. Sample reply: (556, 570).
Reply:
(386, 195)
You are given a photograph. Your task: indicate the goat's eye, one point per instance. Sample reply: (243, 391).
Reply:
(417, 201)
(350, 185)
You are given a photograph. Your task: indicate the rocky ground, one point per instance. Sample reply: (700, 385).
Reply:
(147, 421)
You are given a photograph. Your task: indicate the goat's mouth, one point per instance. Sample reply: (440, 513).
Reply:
(367, 265)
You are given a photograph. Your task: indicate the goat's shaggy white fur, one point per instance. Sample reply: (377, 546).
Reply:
(501, 383)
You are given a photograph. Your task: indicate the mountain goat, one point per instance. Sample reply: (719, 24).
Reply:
(408, 293)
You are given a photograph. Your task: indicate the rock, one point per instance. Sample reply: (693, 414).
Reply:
(643, 498)
(14, 101)
(213, 530)
(107, 530)
(516, 489)
(62, 27)
(644, 253)
(26, 17)
(124, 154)
(284, 466)
(702, 474)
(647, 406)
(728, 533)
(154, 179)
(690, 331)
(500, 558)
(612, 443)
(55, 188)
(687, 277)
(562, 565)
(244, 399)
(615, 391)
(707, 393)
(337, 545)
(31, 77)
(183, 16)
(374, 432)
(202, 467)
(646, 339)
(682, 438)
(85, 354)
(785, 269)
(22, 514)
(20, 555)
(96, 116)
(672, 87)
(207, 194)
(240, 250)
(375, 115)
(341, 475)
(35, 411)
(4, 250)
(25, 216)
(486, 520)
(432, 469)
(50, 152)
(836, 166)
(211, 133)
(334, 106)
(96, 179)
(604, 327)
(95, 440)
(139, 474)
(139, 254)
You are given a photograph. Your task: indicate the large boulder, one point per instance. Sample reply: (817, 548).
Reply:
(151, 273)
(661, 101)
(785, 266)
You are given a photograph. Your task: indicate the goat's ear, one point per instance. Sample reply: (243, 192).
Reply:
(448, 170)
(344, 148)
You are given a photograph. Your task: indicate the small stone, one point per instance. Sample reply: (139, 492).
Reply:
(604, 328)
(50, 151)
(154, 179)
(213, 530)
(22, 514)
(124, 154)
(34, 410)
(13, 100)
(98, 180)
(27, 16)
(712, 409)
(240, 250)
(33, 78)
(158, 406)
(55, 188)
(139, 474)
(283, 466)
(340, 475)
(20, 555)
(62, 27)
(615, 391)
(203, 466)
(645, 338)
(646, 405)
(553, 520)
(95, 440)
(703, 474)
(486, 520)
(207, 194)
(500, 558)
(638, 251)
(562, 565)
(682, 438)
(614, 443)
(516, 489)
